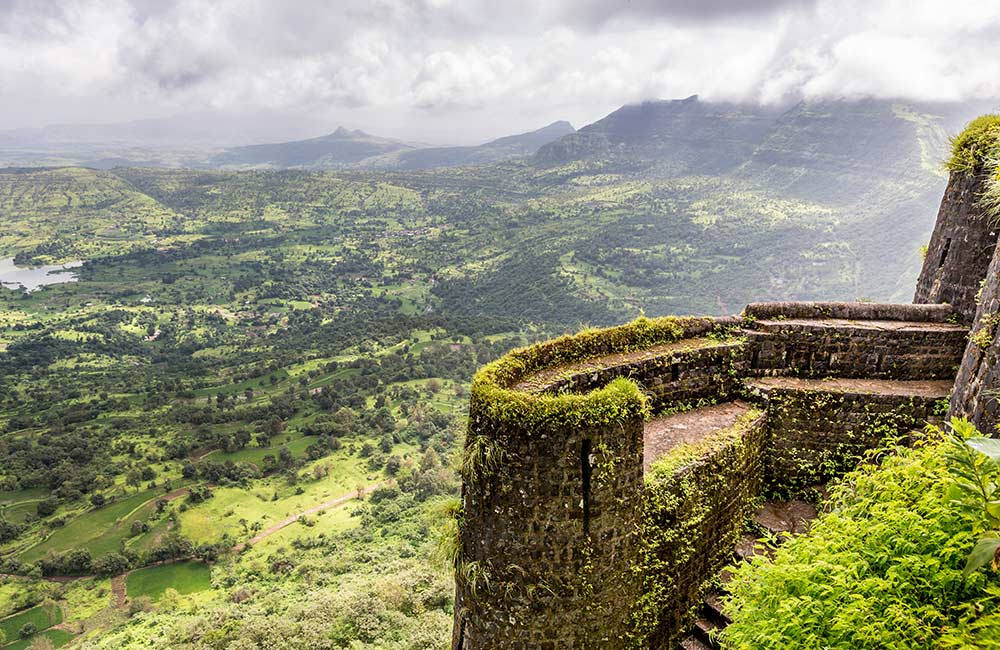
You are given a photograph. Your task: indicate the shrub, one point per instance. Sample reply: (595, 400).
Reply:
(882, 569)
(978, 142)
(27, 630)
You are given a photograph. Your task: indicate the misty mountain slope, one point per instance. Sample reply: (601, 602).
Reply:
(511, 146)
(342, 147)
(835, 151)
(864, 175)
(685, 136)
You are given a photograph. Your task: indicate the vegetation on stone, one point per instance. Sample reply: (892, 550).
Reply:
(975, 146)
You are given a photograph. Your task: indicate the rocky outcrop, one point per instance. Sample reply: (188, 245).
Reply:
(961, 247)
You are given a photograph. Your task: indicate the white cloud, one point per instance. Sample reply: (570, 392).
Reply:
(461, 71)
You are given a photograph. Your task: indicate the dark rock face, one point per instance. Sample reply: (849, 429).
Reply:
(961, 247)
(977, 387)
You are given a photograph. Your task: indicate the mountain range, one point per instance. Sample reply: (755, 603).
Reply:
(344, 148)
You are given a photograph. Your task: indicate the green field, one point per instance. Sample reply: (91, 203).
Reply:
(100, 530)
(38, 615)
(59, 638)
(185, 577)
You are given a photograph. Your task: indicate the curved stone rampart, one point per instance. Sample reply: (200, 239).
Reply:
(566, 543)
(550, 485)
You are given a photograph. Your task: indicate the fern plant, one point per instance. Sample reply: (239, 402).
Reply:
(974, 462)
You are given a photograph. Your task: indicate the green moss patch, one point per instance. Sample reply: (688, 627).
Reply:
(976, 145)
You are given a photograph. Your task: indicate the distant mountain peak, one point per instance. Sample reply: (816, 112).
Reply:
(342, 132)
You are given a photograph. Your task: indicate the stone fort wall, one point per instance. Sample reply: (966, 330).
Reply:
(568, 543)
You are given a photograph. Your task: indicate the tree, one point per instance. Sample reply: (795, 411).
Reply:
(111, 564)
(46, 507)
(134, 478)
(27, 630)
(98, 499)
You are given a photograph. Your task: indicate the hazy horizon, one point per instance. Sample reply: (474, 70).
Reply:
(465, 72)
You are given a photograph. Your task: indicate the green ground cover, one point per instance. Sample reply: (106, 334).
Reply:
(185, 577)
(59, 638)
(42, 617)
(99, 530)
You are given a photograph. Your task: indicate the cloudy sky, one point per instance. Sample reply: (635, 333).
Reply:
(466, 70)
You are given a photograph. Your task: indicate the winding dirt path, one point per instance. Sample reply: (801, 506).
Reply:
(333, 503)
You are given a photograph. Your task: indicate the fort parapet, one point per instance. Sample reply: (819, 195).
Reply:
(608, 474)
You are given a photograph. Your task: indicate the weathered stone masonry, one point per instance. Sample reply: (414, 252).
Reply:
(570, 544)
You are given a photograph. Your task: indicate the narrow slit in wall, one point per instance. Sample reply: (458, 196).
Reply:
(944, 251)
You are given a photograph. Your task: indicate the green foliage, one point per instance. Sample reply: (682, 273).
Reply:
(882, 569)
(447, 517)
(975, 464)
(975, 145)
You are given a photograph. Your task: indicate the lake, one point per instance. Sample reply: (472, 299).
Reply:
(30, 278)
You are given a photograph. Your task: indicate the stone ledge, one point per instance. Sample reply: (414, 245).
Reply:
(940, 313)
(662, 434)
(845, 325)
(926, 389)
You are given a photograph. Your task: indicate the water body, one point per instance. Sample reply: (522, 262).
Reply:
(29, 278)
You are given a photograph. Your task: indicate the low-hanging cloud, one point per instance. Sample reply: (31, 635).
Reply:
(465, 69)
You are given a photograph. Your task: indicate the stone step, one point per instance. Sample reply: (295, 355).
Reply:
(691, 642)
(785, 518)
(714, 611)
(931, 389)
(819, 347)
(662, 434)
(705, 631)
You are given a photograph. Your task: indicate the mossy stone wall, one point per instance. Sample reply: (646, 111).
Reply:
(850, 349)
(692, 515)
(816, 436)
(548, 548)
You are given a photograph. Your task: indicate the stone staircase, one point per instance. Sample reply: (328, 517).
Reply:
(781, 520)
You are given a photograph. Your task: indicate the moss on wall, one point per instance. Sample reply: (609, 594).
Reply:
(693, 508)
